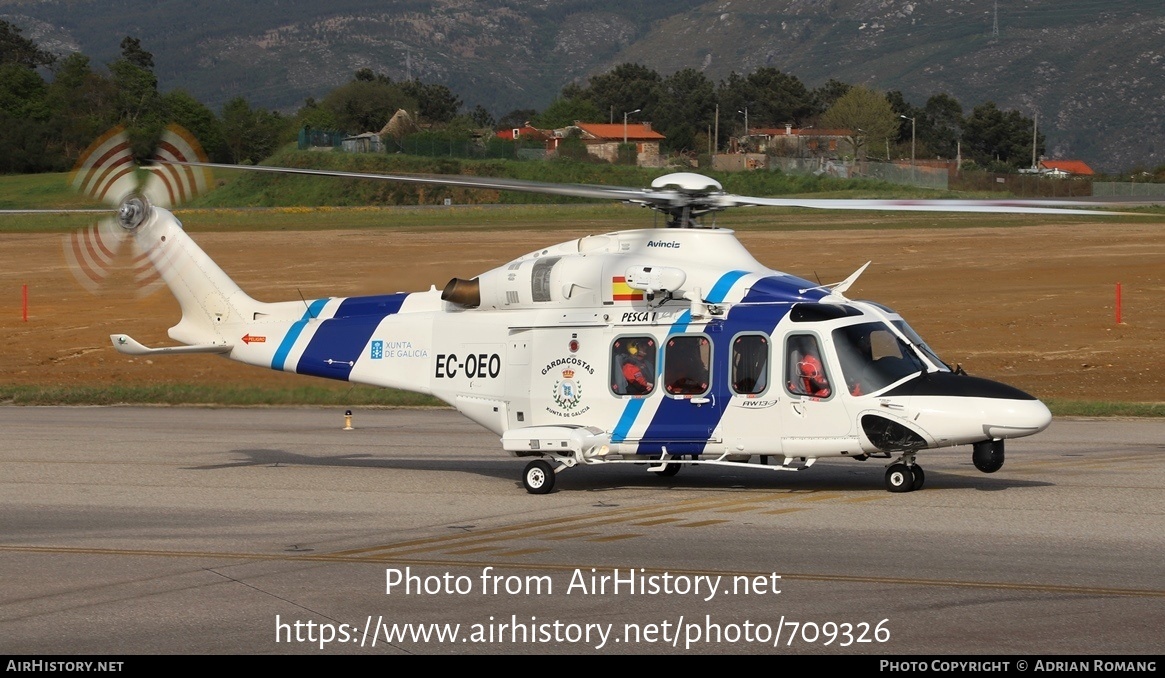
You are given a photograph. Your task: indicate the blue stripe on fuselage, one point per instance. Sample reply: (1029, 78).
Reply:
(634, 405)
(680, 425)
(382, 305)
(783, 288)
(630, 412)
(724, 285)
(339, 341)
(292, 335)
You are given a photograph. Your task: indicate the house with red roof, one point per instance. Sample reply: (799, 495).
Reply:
(602, 141)
(527, 132)
(1065, 168)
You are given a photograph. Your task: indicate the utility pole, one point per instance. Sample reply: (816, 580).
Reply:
(625, 114)
(717, 134)
(995, 25)
(913, 171)
(904, 117)
(745, 112)
(1035, 127)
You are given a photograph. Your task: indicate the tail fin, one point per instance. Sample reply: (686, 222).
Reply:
(208, 297)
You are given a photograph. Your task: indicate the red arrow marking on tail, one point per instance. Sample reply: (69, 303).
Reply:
(248, 339)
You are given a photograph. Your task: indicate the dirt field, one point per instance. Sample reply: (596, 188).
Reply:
(1032, 306)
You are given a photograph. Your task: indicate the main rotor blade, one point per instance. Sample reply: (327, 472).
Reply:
(994, 206)
(520, 185)
(677, 200)
(63, 210)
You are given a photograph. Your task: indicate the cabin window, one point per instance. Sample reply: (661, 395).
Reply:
(686, 361)
(805, 367)
(633, 366)
(750, 364)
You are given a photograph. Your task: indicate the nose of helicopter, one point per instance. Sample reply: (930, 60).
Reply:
(958, 409)
(1008, 418)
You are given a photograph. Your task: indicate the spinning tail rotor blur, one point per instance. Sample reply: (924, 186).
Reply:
(106, 171)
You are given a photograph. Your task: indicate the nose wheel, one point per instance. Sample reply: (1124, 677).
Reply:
(901, 477)
(538, 478)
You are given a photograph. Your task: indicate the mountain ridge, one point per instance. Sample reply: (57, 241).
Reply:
(1092, 71)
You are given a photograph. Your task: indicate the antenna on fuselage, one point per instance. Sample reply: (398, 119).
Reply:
(305, 304)
(838, 289)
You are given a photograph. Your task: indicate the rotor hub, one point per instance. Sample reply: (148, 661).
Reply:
(685, 197)
(133, 211)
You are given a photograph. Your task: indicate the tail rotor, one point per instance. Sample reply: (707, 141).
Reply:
(107, 172)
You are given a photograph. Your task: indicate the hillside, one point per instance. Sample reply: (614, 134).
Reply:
(502, 54)
(1091, 69)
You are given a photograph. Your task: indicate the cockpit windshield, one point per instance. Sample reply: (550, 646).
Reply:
(873, 357)
(922, 345)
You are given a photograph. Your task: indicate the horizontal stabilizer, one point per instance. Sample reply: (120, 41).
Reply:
(130, 346)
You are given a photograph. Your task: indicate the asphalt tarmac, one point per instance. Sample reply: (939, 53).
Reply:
(131, 530)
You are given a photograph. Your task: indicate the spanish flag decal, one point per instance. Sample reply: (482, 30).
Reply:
(621, 291)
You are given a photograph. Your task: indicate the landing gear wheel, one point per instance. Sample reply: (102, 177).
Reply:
(919, 477)
(899, 478)
(538, 478)
(669, 470)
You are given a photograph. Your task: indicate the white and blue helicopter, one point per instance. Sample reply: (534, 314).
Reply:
(662, 347)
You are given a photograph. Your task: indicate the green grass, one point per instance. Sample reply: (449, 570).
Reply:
(1096, 408)
(45, 223)
(40, 191)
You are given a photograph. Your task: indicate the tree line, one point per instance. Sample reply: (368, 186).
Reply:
(46, 123)
(685, 106)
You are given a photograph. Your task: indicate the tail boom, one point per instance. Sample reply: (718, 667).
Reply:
(379, 340)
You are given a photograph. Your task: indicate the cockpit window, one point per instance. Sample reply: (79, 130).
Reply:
(873, 357)
(913, 336)
(910, 334)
